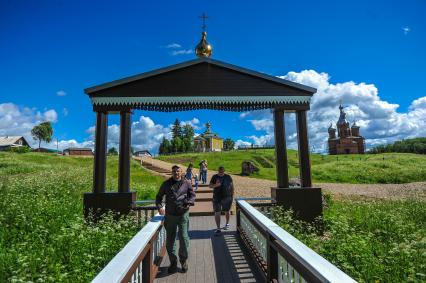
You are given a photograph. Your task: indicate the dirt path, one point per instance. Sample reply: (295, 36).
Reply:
(252, 187)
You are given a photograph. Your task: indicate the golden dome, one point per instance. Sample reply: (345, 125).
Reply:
(203, 48)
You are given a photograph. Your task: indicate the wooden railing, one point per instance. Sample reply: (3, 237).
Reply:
(139, 260)
(145, 210)
(280, 256)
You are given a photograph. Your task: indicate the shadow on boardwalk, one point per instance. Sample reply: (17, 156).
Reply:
(213, 258)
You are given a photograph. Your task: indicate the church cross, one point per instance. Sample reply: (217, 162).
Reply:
(204, 17)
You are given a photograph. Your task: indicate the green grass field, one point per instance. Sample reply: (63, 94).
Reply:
(364, 169)
(44, 238)
(372, 241)
(43, 235)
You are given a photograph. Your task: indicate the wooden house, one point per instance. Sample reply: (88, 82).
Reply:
(78, 151)
(7, 142)
(143, 153)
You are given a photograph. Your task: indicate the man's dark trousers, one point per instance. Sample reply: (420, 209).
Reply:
(171, 223)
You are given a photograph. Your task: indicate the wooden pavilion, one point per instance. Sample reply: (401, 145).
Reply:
(202, 83)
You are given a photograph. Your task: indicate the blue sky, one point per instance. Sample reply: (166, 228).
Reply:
(51, 47)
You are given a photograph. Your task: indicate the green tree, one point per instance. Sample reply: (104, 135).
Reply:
(187, 145)
(188, 132)
(228, 144)
(188, 138)
(112, 151)
(176, 129)
(416, 145)
(164, 146)
(176, 145)
(42, 132)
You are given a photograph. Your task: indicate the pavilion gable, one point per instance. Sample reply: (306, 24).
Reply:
(204, 83)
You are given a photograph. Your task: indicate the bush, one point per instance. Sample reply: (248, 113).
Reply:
(372, 241)
(20, 149)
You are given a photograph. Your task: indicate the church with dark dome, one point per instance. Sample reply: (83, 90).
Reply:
(348, 139)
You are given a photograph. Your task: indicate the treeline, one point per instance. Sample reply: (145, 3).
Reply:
(417, 145)
(182, 139)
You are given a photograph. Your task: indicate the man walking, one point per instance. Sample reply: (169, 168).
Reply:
(179, 196)
(223, 193)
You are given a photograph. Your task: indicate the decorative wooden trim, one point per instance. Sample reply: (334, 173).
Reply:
(193, 100)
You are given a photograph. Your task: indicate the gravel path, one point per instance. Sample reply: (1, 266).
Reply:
(252, 187)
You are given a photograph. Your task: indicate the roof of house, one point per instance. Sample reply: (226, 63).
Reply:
(205, 136)
(143, 151)
(9, 140)
(211, 135)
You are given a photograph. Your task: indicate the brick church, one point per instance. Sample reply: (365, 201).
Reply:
(348, 140)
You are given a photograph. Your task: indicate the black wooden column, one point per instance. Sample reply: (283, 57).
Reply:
(124, 158)
(99, 168)
(280, 149)
(302, 134)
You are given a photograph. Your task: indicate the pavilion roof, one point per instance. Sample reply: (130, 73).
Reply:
(202, 83)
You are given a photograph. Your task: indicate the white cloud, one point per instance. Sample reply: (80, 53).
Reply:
(145, 134)
(61, 93)
(244, 114)
(173, 45)
(242, 143)
(18, 121)
(182, 52)
(65, 112)
(177, 49)
(64, 144)
(406, 30)
(263, 124)
(194, 122)
(50, 116)
(379, 120)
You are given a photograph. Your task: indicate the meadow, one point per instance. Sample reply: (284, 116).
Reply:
(385, 168)
(372, 241)
(43, 235)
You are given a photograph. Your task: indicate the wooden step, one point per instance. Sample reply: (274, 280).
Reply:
(204, 191)
(202, 185)
(201, 209)
(204, 196)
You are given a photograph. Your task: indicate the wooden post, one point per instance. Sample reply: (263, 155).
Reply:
(124, 158)
(271, 261)
(280, 149)
(99, 167)
(302, 134)
(147, 266)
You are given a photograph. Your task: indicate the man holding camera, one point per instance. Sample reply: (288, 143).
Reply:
(179, 197)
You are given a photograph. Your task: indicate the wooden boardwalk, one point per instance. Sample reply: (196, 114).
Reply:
(213, 258)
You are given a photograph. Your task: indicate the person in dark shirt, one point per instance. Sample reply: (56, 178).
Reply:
(223, 194)
(179, 197)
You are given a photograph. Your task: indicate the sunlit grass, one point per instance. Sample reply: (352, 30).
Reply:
(354, 168)
(372, 241)
(43, 235)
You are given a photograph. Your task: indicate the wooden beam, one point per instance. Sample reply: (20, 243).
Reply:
(303, 144)
(280, 149)
(124, 157)
(99, 167)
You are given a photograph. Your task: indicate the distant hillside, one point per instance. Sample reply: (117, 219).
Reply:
(354, 168)
(417, 145)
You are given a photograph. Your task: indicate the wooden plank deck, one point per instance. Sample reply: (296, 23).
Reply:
(213, 258)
